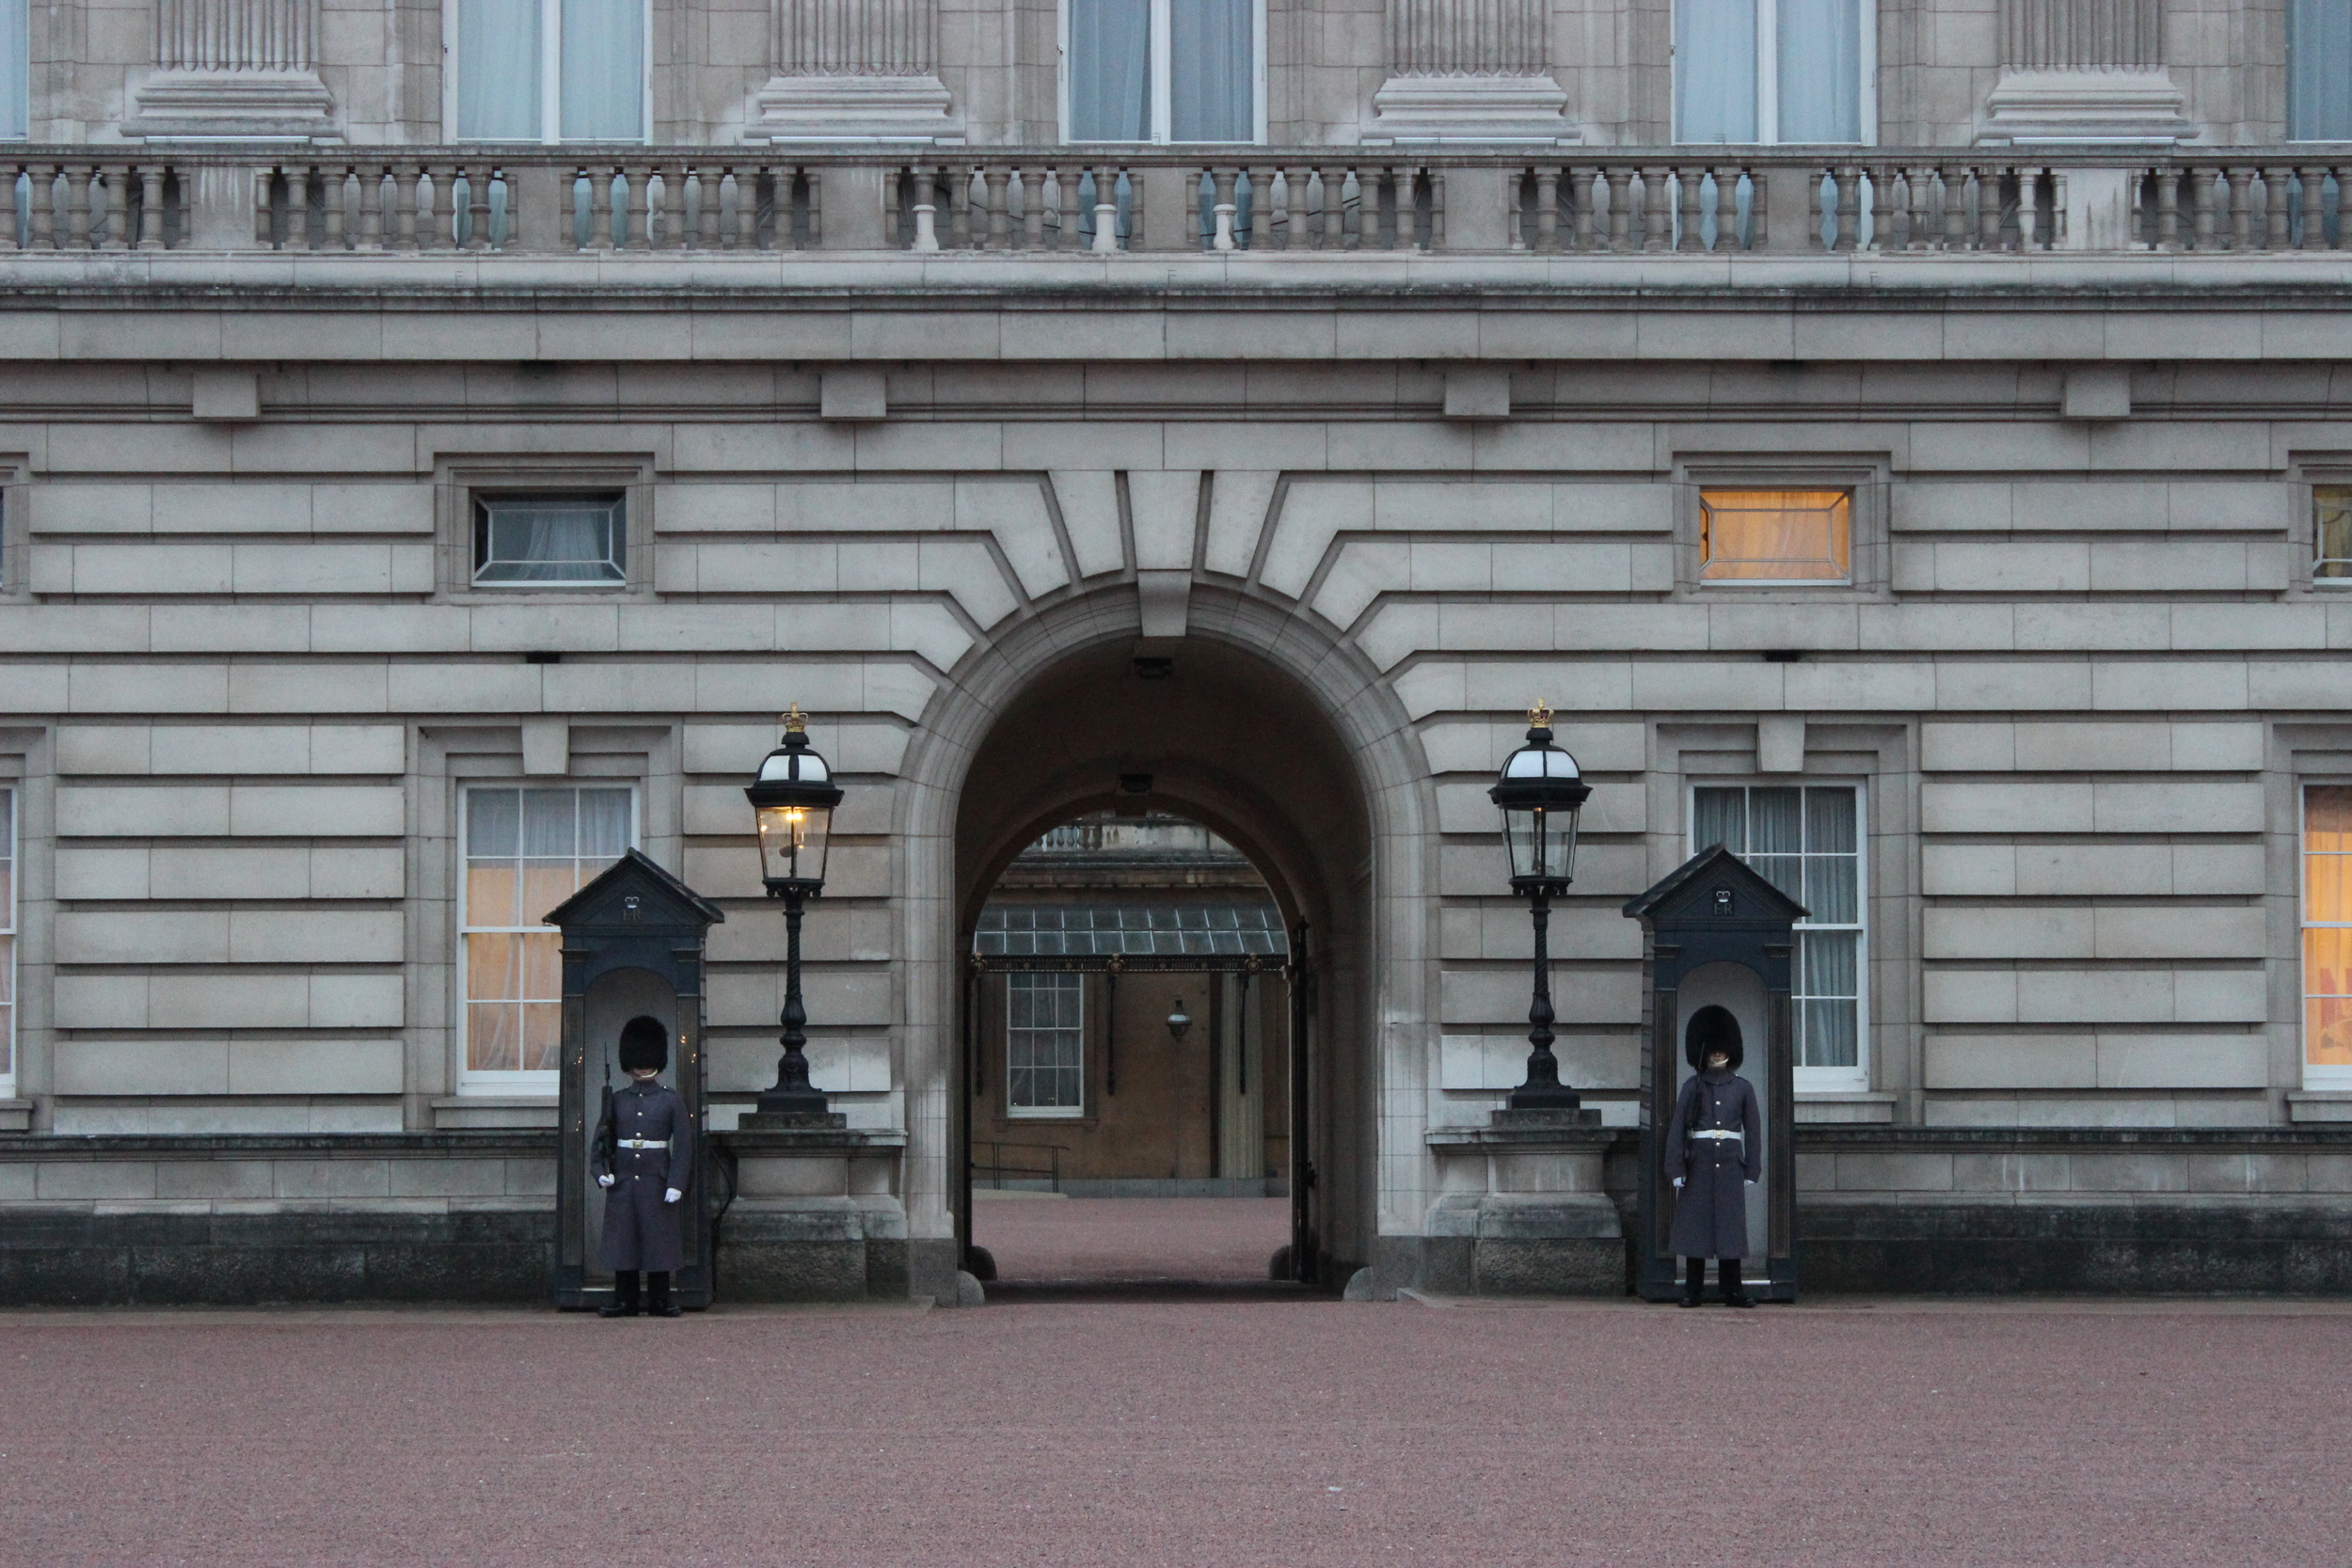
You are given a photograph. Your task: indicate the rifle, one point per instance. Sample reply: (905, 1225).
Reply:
(608, 1137)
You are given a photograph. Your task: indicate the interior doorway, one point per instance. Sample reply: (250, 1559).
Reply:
(1207, 768)
(1131, 1102)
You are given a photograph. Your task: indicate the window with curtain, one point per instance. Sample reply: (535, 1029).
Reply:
(1044, 1045)
(2331, 533)
(1775, 536)
(1162, 71)
(2327, 934)
(1807, 841)
(550, 541)
(1774, 71)
(2319, 69)
(549, 70)
(7, 942)
(525, 851)
(16, 68)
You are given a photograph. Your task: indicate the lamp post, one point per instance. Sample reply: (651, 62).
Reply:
(793, 798)
(1541, 791)
(1178, 1021)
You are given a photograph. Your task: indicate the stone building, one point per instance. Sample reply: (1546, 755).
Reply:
(1902, 442)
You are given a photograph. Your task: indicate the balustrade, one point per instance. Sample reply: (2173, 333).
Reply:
(1591, 202)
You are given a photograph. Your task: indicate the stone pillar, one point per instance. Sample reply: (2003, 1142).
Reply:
(2084, 71)
(235, 67)
(855, 71)
(1470, 70)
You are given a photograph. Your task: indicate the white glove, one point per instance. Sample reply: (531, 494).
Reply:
(604, 1181)
(1677, 1184)
(1751, 1183)
(674, 1195)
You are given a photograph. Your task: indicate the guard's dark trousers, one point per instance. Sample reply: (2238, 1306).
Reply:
(624, 1294)
(1726, 1279)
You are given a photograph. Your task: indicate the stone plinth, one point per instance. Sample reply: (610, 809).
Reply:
(1521, 1208)
(816, 1214)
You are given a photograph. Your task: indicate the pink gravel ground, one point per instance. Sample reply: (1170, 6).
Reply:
(1043, 1240)
(1298, 1431)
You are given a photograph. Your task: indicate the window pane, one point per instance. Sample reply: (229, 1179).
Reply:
(493, 821)
(1720, 817)
(1773, 536)
(2319, 69)
(1714, 59)
(2327, 1032)
(2332, 509)
(1044, 1041)
(1821, 70)
(604, 71)
(2328, 989)
(1827, 1037)
(1213, 90)
(1110, 70)
(1829, 891)
(491, 893)
(494, 967)
(1829, 822)
(1825, 963)
(493, 1037)
(519, 541)
(15, 73)
(2328, 817)
(498, 70)
(542, 966)
(551, 822)
(603, 827)
(2328, 887)
(542, 1036)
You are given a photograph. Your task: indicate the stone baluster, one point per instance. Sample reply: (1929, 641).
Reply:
(151, 209)
(118, 194)
(954, 194)
(600, 207)
(1728, 208)
(1919, 223)
(77, 178)
(2201, 207)
(1547, 237)
(1688, 181)
(1848, 211)
(925, 235)
(1620, 184)
(1052, 230)
(1222, 208)
(2241, 183)
(2278, 229)
(1992, 185)
(298, 207)
(747, 187)
(1884, 229)
(2028, 208)
(2315, 236)
(997, 184)
(703, 234)
(9, 209)
(635, 230)
(334, 190)
(443, 233)
(2167, 208)
(1352, 214)
(403, 207)
(1106, 209)
(1656, 215)
(1955, 206)
(371, 235)
(42, 224)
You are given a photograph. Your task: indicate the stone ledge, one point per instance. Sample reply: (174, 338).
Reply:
(197, 1146)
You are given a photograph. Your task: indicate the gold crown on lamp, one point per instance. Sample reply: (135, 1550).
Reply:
(1539, 716)
(795, 722)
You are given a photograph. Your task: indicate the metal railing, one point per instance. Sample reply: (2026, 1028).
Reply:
(998, 1171)
(543, 200)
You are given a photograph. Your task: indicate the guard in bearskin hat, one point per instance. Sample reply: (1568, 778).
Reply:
(644, 1152)
(1714, 1155)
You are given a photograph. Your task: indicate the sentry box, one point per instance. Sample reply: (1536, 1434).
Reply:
(1715, 933)
(632, 945)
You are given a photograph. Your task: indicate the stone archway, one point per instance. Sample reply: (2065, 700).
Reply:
(1284, 740)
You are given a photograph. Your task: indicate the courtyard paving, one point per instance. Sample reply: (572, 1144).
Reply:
(1266, 1429)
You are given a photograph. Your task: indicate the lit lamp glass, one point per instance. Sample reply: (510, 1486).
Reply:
(793, 798)
(1542, 792)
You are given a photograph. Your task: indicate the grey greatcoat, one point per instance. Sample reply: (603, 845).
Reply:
(1711, 1209)
(641, 1231)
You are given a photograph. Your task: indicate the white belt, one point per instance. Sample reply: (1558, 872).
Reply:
(664, 1143)
(1720, 1132)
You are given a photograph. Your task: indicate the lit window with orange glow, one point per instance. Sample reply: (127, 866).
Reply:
(1775, 536)
(2328, 931)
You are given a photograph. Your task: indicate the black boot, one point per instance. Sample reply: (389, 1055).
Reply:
(624, 1302)
(1693, 1281)
(657, 1301)
(1727, 1275)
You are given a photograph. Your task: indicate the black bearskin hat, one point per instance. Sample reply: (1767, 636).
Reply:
(644, 1043)
(1712, 1029)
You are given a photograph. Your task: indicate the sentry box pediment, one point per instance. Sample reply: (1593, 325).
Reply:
(1716, 933)
(633, 942)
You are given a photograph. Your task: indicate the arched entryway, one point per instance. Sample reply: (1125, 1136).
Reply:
(1293, 750)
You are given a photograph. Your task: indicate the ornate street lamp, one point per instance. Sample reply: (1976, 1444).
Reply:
(1541, 791)
(793, 798)
(1178, 1021)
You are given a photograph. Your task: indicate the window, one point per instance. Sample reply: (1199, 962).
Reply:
(2327, 934)
(1774, 70)
(7, 942)
(547, 70)
(550, 541)
(1044, 1045)
(16, 39)
(1768, 537)
(1807, 843)
(2319, 69)
(526, 851)
(1163, 71)
(2332, 529)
